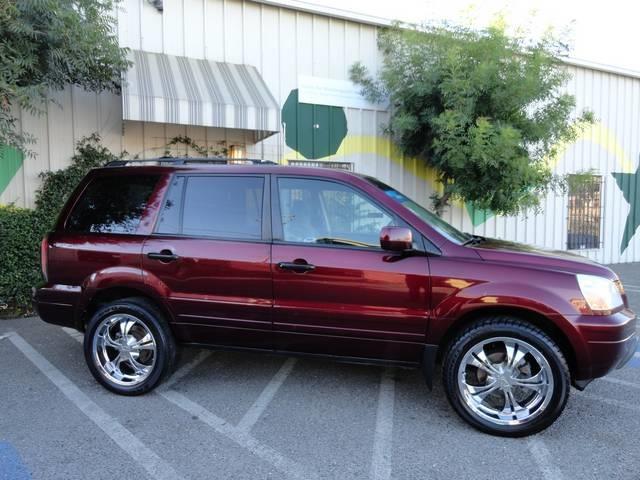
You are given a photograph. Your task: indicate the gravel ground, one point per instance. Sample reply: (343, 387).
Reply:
(239, 415)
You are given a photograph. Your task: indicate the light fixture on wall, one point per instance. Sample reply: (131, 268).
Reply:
(237, 151)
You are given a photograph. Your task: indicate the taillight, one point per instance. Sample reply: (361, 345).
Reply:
(44, 256)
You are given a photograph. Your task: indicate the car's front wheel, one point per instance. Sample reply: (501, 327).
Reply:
(506, 377)
(128, 346)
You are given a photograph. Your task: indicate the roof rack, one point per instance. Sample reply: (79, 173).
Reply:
(189, 160)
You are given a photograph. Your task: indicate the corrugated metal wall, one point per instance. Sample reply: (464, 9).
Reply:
(284, 44)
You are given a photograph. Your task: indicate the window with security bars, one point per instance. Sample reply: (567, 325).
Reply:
(585, 211)
(310, 163)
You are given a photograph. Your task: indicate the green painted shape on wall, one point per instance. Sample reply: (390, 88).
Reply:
(477, 215)
(629, 183)
(314, 131)
(10, 162)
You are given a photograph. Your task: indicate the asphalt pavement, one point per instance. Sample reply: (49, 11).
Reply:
(227, 415)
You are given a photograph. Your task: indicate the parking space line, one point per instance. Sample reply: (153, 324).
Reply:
(129, 443)
(259, 406)
(6, 335)
(75, 334)
(383, 437)
(185, 369)
(617, 381)
(288, 467)
(542, 456)
(611, 401)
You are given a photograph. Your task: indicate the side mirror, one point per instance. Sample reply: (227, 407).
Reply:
(396, 239)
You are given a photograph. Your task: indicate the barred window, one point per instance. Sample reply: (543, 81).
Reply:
(585, 211)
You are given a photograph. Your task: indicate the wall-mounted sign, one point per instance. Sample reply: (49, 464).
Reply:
(337, 93)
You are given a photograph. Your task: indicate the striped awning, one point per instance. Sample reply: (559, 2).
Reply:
(188, 91)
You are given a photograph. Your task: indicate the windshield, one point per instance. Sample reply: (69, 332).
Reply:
(432, 219)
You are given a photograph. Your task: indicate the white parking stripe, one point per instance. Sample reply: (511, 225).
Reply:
(542, 456)
(185, 369)
(288, 467)
(6, 335)
(611, 401)
(383, 437)
(75, 334)
(617, 381)
(285, 465)
(259, 406)
(129, 443)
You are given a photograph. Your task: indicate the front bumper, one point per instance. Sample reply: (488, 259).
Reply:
(611, 342)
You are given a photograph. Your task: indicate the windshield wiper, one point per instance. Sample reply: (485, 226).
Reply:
(474, 240)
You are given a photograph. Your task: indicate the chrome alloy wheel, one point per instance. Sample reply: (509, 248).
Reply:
(124, 349)
(506, 381)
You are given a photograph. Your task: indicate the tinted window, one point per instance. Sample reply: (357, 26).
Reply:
(223, 207)
(170, 216)
(316, 211)
(432, 219)
(112, 204)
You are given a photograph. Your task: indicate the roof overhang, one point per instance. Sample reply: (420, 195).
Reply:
(189, 91)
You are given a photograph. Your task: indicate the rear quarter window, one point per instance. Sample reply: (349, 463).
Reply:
(226, 207)
(112, 204)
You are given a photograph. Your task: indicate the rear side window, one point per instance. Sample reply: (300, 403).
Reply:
(112, 204)
(214, 206)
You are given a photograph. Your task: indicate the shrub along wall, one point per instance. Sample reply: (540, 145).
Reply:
(21, 230)
(20, 235)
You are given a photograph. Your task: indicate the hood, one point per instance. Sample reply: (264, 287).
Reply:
(493, 249)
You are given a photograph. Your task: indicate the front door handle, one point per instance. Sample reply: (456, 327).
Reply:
(296, 267)
(165, 256)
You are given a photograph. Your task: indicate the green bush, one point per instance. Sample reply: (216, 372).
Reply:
(20, 234)
(21, 230)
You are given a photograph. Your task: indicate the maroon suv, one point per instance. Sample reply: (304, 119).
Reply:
(325, 263)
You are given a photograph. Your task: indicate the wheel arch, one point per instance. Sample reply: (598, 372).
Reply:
(110, 294)
(535, 318)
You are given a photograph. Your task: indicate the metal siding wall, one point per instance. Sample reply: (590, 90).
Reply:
(283, 44)
(73, 114)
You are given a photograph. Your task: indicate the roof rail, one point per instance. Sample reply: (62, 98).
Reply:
(189, 160)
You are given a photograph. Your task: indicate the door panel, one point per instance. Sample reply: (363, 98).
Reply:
(335, 291)
(350, 293)
(210, 255)
(222, 285)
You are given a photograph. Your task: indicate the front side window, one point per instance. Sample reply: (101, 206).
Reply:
(324, 212)
(445, 229)
(214, 206)
(112, 204)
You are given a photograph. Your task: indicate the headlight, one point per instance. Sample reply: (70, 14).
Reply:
(601, 294)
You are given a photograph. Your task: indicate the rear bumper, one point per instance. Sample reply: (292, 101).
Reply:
(57, 304)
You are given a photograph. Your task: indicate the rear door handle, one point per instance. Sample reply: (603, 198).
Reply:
(164, 256)
(296, 267)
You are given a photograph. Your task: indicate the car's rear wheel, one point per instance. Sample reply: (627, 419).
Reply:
(128, 346)
(506, 377)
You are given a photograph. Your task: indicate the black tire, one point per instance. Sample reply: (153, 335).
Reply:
(506, 326)
(165, 349)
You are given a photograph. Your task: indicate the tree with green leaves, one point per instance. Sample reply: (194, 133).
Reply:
(484, 109)
(48, 44)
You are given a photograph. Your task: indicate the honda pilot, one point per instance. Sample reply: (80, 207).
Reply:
(150, 255)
